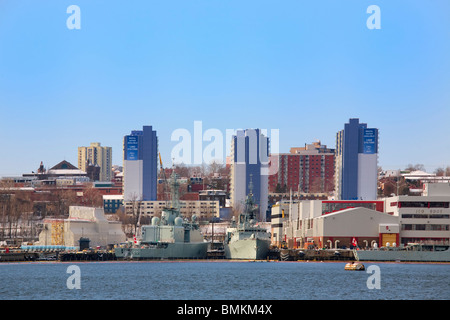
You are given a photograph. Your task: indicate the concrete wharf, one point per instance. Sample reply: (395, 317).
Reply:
(316, 254)
(108, 255)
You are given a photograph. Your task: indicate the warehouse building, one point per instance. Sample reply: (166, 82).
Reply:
(301, 226)
(395, 220)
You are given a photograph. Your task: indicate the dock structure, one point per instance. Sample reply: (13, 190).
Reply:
(215, 253)
(18, 256)
(316, 255)
(87, 256)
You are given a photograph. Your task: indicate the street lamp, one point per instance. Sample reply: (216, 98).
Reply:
(373, 244)
(335, 244)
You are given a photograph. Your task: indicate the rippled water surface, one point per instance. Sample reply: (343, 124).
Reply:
(223, 281)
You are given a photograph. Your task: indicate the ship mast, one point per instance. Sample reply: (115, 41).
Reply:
(175, 199)
(249, 206)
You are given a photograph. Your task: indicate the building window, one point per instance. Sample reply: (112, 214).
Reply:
(439, 216)
(426, 227)
(425, 216)
(413, 204)
(439, 205)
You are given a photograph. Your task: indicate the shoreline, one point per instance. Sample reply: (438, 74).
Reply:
(217, 261)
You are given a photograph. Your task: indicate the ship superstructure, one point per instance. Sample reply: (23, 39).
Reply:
(168, 237)
(245, 239)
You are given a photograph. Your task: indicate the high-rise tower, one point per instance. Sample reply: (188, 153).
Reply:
(140, 162)
(96, 155)
(249, 163)
(356, 162)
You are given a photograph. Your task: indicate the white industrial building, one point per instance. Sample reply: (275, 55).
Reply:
(356, 226)
(303, 224)
(424, 219)
(83, 222)
(400, 220)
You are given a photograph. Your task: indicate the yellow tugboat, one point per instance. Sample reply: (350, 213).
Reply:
(355, 266)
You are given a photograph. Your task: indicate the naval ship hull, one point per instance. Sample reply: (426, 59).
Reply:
(165, 251)
(247, 249)
(402, 255)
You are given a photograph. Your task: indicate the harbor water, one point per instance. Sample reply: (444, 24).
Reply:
(222, 280)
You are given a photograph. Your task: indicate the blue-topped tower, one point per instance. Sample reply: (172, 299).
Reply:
(140, 162)
(356, 157)
(249, 162)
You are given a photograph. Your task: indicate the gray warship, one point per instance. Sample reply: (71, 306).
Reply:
(170, 237)
(245, 239)
(411, 252)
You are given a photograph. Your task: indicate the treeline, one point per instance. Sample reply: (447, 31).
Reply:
(440, 171)
(22, 210)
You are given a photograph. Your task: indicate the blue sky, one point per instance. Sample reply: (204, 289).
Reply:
(302, 67)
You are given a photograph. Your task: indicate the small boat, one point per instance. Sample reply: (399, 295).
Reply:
(355, 266)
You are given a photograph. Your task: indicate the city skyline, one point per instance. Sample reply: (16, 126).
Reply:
(302, 68)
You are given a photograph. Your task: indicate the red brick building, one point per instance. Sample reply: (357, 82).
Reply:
(308, 169)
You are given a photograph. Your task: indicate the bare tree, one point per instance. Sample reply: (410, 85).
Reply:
(439, 172)
(402, 187)
(389, 187)
(316, 185)
(215, 167)
(24, 215)
(237, 209)
(416, 167)
(182, 170)
(62, 200)
(442, 172)
(6, 198)
(126, 222)
(92, 197)
(15, 211)
(7, 212)
(4, 203)
(134, 211)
